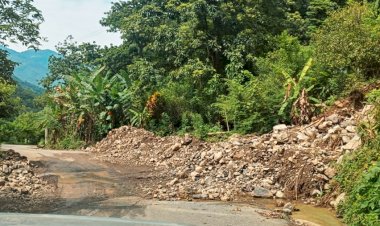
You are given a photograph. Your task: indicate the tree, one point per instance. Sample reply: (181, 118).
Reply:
(185, 49)
(349, 42)
(19, 22)
(72, 58)
(305, 16)
(6, 66)
(9, 104)
(183, 31)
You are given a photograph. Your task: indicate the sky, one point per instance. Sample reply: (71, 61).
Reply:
(79, 18)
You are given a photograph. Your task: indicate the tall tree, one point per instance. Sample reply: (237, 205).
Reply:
(19, 22)
(72, 58)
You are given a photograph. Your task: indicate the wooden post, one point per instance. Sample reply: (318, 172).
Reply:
(46, 136)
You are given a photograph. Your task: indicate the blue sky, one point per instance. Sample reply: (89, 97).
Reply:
(79, 18)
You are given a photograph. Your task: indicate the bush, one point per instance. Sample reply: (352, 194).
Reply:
(359, 174)
(362, 206)
(162, 126)
(195, 124)
(69, 142)
(349, 42)
(22, 130)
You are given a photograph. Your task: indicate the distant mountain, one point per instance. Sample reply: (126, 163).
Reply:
(29, 86)
(33, 65)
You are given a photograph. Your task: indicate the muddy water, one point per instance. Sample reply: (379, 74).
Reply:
(321, 216)
(315, 215)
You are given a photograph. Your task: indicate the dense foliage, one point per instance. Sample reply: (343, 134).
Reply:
(359, 175)
(196, 66)
(19, 22)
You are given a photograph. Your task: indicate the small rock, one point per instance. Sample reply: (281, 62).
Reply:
(334, 118)
(346, 139)
(306, 223)
(338, 200)
(280, 127)
(324, 125)
(199, 169)
(353, 144)
(199, 196)
(238, 155)
(322, 177)
(339, 104)
(280, 138)
(218, 156)
(316, 192)
(351, 129)
(280, 194)
(330, 172)
(194, 175)
(187, 139)
(340, 159)
(289, 206)
(260, 192)
(6, 169)
(225, 198)
(173, 182)
(302, 137)
(287, 211)
(175, 147)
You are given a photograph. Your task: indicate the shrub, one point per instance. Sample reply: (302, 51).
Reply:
(363, 203)
(349, 42)
(69, 142)
(359, 174)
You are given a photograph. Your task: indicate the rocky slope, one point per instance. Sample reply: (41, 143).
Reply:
(291, 162)
(20, 188)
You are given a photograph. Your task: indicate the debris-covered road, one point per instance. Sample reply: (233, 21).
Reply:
(92, 188)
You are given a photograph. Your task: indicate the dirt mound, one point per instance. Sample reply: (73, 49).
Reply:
(20, 188)
(129, 145)
(290, 162)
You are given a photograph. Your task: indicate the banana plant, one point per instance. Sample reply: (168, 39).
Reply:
(95, 102)
(296, 96)
(139, 118)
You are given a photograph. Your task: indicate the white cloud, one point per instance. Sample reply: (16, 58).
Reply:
(79, 18)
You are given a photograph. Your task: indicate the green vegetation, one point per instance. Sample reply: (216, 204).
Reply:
(359, 175)
(204, 67)
(19, 22)
(195, 66)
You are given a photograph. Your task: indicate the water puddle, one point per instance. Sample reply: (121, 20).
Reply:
(321, 216)
(316, 215)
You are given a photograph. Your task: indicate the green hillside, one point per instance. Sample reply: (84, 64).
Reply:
(33, 65)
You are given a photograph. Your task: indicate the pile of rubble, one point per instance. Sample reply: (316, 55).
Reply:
(19, 186)
(291, 162)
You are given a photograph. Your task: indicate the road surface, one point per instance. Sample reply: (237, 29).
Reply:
(91, 188)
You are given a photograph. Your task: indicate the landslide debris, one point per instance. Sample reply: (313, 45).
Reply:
(21, 189)
(293, 162)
